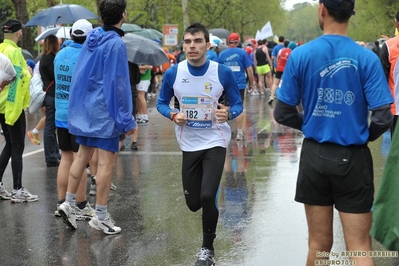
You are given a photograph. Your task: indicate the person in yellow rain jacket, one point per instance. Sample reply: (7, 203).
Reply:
(14, 98)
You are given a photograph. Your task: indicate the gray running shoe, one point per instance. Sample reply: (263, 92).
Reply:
(68, 215)
(206, 257)
(23, 195)
(271, 99)
(4, 194)
(84, 214)
(107, 226)
(134, 146)
(92, 191)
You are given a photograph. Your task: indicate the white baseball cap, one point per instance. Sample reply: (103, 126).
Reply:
(81, 28)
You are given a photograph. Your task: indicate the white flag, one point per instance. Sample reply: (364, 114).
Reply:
(267, 30)
(258, 36)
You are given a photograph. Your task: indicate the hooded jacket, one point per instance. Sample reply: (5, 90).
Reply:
(100, 99)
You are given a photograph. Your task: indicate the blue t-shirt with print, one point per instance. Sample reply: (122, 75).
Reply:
(338, 82)
(238, 61)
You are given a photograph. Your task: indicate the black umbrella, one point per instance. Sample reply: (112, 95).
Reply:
(141, 50)
(220, 32)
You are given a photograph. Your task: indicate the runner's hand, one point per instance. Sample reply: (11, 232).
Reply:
(180, 119)
(222, 114)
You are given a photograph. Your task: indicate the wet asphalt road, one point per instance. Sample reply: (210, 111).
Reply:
(260, 224)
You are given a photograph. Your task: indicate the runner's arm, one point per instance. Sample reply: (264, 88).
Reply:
(167, 93)
(384, 57)
(381, 120)
(288, 115)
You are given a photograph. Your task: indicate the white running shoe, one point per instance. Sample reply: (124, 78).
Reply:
(68, 214)
(23, 195)
(84, 214)
(240, 136)
(107, 226)
(4, 194)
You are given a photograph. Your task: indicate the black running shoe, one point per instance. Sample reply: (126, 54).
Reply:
(206, 257)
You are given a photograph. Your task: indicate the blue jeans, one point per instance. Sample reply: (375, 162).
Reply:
(51, 151)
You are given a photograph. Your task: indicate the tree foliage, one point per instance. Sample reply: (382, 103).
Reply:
(5, 14)
(373, 17)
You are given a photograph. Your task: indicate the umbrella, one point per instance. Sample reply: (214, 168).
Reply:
(61, 14)
(60, 32)
(127, 27)
(27, 55)
(141, 50)
(222, 47)
(220, 32)
(149, 33)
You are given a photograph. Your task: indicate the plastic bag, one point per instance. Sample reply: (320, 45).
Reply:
(37, 94)
(7, 71)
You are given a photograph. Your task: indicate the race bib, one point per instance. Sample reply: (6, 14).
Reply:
(235, 68)
(199, 111)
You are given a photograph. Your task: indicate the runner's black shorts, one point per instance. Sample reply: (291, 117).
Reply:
(278, 75)
(66, 141)
(331, 174)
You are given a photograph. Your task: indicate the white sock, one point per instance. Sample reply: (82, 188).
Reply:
(35, 131)
(101, 212)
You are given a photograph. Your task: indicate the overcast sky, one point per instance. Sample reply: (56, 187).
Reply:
(290, 3)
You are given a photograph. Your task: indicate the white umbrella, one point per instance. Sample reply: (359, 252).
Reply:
(60, 32)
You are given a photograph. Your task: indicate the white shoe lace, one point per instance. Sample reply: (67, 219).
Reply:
(203, 254)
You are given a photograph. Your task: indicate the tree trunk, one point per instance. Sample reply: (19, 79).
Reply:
(186, 19)
(98, 8)
(21, 12)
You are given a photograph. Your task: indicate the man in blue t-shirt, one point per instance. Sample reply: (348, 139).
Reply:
(238, 61)
(338, 82)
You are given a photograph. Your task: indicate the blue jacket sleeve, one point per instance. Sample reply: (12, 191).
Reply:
(166, 94)
(117, 91)
(232, 92)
